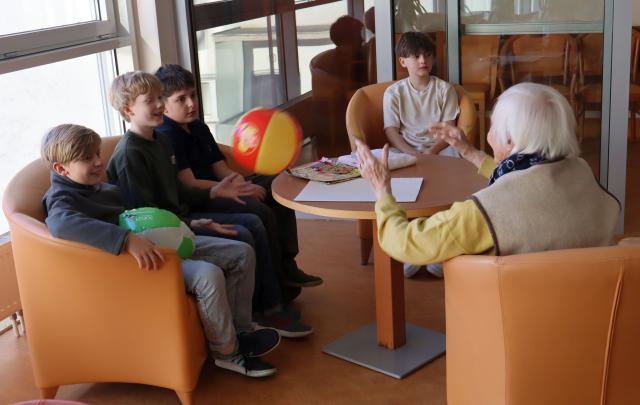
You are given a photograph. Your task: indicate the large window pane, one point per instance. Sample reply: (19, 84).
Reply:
(36, 99)
(31, 15)
(239, 70)
(313, 25)
(552, 42)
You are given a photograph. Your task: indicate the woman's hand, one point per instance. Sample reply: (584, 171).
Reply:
(144, 251)
(222, 229)
(376, 172)
(233, 187)
(454, 136)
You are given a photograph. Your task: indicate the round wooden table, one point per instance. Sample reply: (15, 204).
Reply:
(446, 180)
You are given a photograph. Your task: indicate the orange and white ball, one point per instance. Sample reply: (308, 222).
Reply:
(266, 141)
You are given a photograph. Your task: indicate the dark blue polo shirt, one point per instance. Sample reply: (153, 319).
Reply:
(196, 150)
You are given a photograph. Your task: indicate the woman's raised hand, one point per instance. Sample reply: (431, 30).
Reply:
(376, 172)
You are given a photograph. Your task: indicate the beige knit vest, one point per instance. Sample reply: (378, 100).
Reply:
(557, 205)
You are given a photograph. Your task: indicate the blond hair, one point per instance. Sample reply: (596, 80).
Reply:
(127, 87)
(68, 142)
(537, 119)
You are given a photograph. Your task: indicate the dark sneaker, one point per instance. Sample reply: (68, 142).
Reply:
(299, 278)
(258, 343)
(249, 366)
(285, 326)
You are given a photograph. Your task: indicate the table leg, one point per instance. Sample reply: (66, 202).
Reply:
(389, 285)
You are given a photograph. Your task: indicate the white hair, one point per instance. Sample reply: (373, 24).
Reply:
(537, 119)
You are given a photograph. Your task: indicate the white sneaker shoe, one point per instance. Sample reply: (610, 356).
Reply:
(410, 269)
(435, 269)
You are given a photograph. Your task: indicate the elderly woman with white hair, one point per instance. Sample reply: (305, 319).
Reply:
(540, 196)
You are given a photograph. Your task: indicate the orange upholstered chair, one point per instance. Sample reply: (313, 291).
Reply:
(365, 121)
(556, 327)
(91, 316)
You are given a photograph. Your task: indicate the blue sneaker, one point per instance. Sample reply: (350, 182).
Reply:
(284, 325)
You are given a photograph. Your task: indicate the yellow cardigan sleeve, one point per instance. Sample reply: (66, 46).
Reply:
(459, 230)
(487, 167)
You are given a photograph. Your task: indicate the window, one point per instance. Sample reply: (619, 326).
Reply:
(36, 25)
(239, 70)
(56, 66)
(312, 27)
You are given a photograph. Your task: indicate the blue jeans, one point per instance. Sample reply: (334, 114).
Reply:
(267, 292)
(220, 274)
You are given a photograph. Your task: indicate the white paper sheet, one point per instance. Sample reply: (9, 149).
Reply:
(404, 189)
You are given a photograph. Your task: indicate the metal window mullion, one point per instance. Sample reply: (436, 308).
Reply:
(453, 41)
(615, 100)
(288, 55)
(385, 63)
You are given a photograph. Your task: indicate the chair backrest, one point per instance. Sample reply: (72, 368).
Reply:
(479, 60)
(365, 116)
(549, 57)
(27, 189)
(556, 327)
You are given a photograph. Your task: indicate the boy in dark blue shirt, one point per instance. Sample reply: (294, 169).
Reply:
(201, 164)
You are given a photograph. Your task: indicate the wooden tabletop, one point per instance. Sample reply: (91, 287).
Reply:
(446, 180)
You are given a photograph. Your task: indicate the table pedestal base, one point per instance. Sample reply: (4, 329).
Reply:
(361, 347)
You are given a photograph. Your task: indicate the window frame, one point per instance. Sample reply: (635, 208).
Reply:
(29, 42)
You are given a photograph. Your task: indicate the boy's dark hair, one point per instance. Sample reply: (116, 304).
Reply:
(415, 43)
(174, 78)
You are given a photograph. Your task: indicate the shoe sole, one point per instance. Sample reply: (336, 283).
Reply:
(303, 285)
(286, 333)
(241, 370)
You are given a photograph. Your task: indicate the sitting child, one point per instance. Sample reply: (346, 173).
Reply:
(412, 105)
(201, 164)
(144, 166)
(81, 208)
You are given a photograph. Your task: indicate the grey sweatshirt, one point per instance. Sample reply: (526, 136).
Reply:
(86, 214)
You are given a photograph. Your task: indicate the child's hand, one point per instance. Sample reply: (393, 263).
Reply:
(232, 187)
(259, 193)
(144, 251)
(222, 229)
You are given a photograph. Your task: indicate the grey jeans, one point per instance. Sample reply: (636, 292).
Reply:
(220, 274)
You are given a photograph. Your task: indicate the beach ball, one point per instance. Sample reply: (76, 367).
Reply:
(266, 141)
(160, 226)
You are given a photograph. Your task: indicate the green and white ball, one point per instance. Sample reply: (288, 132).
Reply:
(162, 227)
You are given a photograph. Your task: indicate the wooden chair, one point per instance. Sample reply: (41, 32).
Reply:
(548, 59)
(479, 61)
(95, 317)
(365, 122)
(589, 88)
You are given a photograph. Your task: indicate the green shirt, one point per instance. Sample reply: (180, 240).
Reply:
(145, 170)
(462, 229)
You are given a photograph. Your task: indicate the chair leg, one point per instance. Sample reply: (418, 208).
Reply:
(365, 233)
(49, 392)
(483, 134)
(14, 324)
(186, 398)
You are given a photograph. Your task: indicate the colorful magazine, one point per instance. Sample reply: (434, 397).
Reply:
(325, 170)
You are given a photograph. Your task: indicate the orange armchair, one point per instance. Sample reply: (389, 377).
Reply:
(92, 316)
(556, 327)
(365, 121)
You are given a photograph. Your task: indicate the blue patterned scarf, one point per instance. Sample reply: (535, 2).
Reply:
(517, 161)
